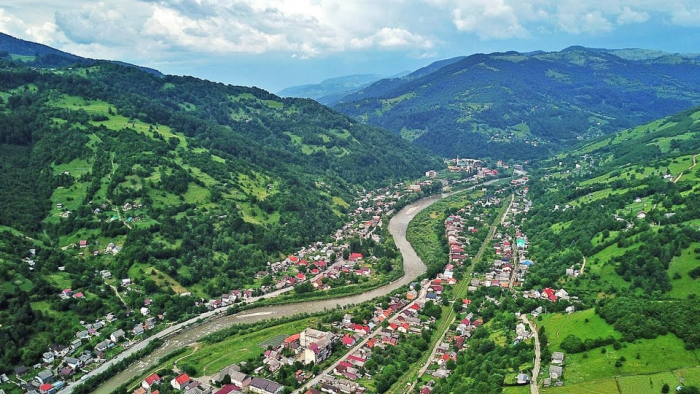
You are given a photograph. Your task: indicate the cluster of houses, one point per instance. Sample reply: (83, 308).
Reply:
(314, 262)
(69, 361)
(308, 346)
(556, 370)
(464, 165)
(547, 294)
(45, 382)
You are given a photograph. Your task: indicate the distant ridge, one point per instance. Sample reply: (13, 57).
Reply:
(46, 56)
(527, 105)
(329, 91)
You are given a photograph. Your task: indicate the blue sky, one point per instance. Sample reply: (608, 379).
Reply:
(274, 44)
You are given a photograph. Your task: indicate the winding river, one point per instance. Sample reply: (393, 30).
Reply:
(413, 267)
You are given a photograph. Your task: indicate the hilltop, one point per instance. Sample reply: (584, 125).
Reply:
(38, 55)
(515, 105)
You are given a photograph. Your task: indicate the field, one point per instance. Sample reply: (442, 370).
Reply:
(645, 356)
(682, 264)
(208, 359)
(636, 384)
(559, 326)
(525, 389)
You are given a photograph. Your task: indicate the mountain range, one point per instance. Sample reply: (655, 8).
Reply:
(526, 105)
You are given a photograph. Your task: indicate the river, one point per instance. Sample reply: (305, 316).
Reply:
(412, 264)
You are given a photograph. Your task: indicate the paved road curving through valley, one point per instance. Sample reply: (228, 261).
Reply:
(413, 267)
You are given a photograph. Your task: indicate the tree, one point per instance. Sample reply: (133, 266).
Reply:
(665, 389)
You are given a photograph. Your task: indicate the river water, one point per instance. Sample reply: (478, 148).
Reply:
(413, 267)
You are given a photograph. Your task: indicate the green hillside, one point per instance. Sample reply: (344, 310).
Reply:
(523, 106)
(625, 211)
(182, 184)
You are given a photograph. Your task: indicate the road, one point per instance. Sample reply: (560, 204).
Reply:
(534, 388)
(377, 331)
(180, 335)
(406, 383)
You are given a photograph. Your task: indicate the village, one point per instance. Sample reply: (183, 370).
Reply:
(319, 264)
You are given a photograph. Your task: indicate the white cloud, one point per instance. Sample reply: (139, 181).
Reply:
(42, 32)
(629, 16)
(392, 38)
(159, 30)
(488, 19)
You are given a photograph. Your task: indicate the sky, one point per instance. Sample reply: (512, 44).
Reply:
(273, 44)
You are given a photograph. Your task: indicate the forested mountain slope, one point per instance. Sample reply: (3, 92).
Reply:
(627, 205)
(190, 184)
(513, 105)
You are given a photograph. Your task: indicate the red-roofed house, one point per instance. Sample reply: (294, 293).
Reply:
(301, 276)
(229, 388)
(180, 382)
(292, 338)
(150, 381)
(78, 295)
(293, 259)
(45, 388)
(83, 243)
(550, 294)
(355, 256)
(342, 367)
(357, 361)
(348, 340)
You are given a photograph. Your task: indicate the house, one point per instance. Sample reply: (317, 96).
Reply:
(355, 257)
(557, 358)
(555, 371)
(103, 346)
(47, 357)
(522, 379)
(73, 362)
(20, 371)
(83, 243)
(46, 389)
(44, 377)
(115, 336)
(229, 388)
(240, 379)
(150, 381)
(641, 215)
(138, 330)
(348, 340)
(264, 386)
(179, 382)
